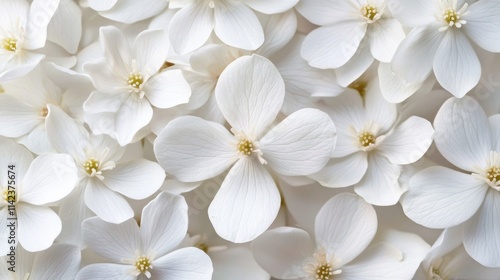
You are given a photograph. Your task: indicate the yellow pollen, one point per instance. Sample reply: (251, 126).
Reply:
(10, 44)
(202, 246)
(9, 197)
(44, 112)
(366, 138)
(91, 166)
(369, 12)
(451, 16)
(135, 80)
(245, 147)
(324, 272)
(493, 174)
(166, 65)
(360, 87)
(143, 264)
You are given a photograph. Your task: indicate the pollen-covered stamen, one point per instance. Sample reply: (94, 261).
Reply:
(9, 197)
(493, 174)
(360, 87)
(9, 44)
(370, 12)
(245, 147)
(366, 138)
(91, 166)
(135, 80)
(320, 267)
(44, 112)
(143, 265)
(450, 16)
(324, 272)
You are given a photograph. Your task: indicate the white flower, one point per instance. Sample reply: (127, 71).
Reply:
(128, 83)
(128, 11)
(249, 93)
(103, 179)
(60, 261)
(440, 41)
(440, 197)
(340, 249)
(38, 182)
(371, 147)
(23, 31)
(150, 251)
(232, 20)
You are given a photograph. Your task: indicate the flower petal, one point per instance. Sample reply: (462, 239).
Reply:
(150, 50)
(267, 7)
(482, 24)
(134, 114)
(131, 11)
(38, 226)
(41, 12)
(413, 13)
(105, 203)
(109, 271)
(60, 261)
(183, 264)
(345, 225)
(192, 159)
(116, 49)
(237, 261)
(333, 175)
(301, 144)
(439, 197)
(385, 37)
(495, 130)
(247, 202)
(168, 89)
(320, 12)
(282, 251)
(250, 93)
(17, 118)
(65, 27)
(356, 66)
(393, 88)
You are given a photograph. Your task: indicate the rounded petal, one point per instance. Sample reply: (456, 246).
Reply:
(60, 261)
(408, 142)
(301, 144)
(65, 27)
(101, 5)
(106, 80)
(13, 154)
(17, 118)
(105, 203)
(274, 7)
(150, 49)
(282, 251)
(134, 114)
(393, 88)
(49, 178)
(247, 202)
(378, 110)
(131, 11)
(385, 37)
(456, 65)
(332, 46)
(334, 174)
(356, 66)
(183, 264)
(38, 226)
(345, 225)
(40, 15)
(116, 48)
(482, 24)
(109, 271)
(250, 93)
(439, 197)
(320, 12)
(413, 13)
(114, 242)
(192, 159)
(237, 261)
(237, 25)
(164, 223)
(461, 125)
(168, 89)
(482, 233)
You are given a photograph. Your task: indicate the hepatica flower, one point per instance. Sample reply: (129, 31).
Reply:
(249, 93)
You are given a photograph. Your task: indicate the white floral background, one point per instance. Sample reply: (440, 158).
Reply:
(250, 139)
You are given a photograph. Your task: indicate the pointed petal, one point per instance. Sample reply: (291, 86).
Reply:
(65, 28)
(378, 110)
(356, 66)
(250, 109)
(247, 202)
(345, 225)
(482, 24)
(168, 89)
(394, 89)
(461, 125)
(116, 48)
(150, 50)
(333, 175)
(278, 31)
(439, 197)
(385, 37)
(134, 114)
(41, 12)
(73, 212)
(192, 159)
(16, 117)
(183, 264)
(64, 133)
(105, 203)
(38, 226)
(456, 65)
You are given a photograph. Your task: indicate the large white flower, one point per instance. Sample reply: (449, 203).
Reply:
(371, 146)
(151, 251)
(27, 189)
(127, 11)
(440, 41)
(340, 249)
(23, 31)
(249, 94)
(128, 83)
(440, 197)
(233, 21)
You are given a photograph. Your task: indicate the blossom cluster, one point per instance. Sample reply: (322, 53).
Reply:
(250, 139)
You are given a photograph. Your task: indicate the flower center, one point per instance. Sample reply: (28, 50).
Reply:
(435, 274)
(44, 112)
(135, 80)
(10, 44)
(143, 265)
(320, 267)
(493, 174)
(360, 87)
(91, 166)
(324, 272)
(450, 16)
(245, 147)
(366, 138)
(9, 196)
(370, 12)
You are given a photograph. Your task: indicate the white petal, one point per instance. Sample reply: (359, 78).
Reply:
(282, 251)
(274, 7)
(116, 48)
(250, 94)
(107, 271)
(17, 118)
(131, 11)
(414, 57)
(134, 114)
(64, 133)
(456, 65)
(246, 203)
(380, 184)
(58, 262)
(333, 46)
(65, 28)
(439, 197)
(101, 5)
(333, 175)
(192, 159)
(13, 154)
(164, 223)
(345, 226)
(115, 242)
(168, 89)
(237, 25)
(183, 264)
(49, 178)
(393, 88)
(413, 13)
(461, 125)
(378, 110)
(237, 261)
(385, 37)
(356, 66)
(191, 27)
(278, 31)
(481, 233)
(320, 12)
(482, 24)
(73, 212)
(38, 226)
(105, 79)
(41, 12)
(37, 141)
(150, 50)
(495, 130)
(19, 66)
(301, 144)
(408, 142)
(105, 203)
